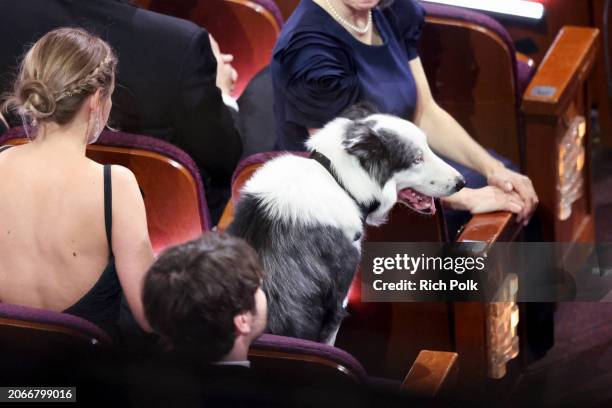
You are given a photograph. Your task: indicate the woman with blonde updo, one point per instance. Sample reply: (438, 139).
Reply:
(73, 233)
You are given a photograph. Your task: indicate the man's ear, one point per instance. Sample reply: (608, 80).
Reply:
(242, 323)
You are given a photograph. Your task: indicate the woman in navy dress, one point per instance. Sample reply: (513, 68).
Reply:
(334, 53)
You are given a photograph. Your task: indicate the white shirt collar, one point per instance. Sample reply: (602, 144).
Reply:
(245, 363)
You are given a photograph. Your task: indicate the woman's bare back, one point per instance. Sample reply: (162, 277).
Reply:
(53, 245)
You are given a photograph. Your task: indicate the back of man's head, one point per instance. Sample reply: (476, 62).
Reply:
(195, 294)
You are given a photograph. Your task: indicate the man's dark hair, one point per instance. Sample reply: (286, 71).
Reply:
(193, 292)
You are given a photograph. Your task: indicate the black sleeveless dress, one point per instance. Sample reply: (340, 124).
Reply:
(101, 304)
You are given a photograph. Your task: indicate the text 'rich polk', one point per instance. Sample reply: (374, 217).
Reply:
(427, 285)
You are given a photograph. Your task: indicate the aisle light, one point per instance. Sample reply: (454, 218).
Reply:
(520, 8)
(571, 157)
(502, 328)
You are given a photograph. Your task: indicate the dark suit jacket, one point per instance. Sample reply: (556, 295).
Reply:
(165, 78)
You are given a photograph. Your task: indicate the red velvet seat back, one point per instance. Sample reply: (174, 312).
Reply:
(41, 347)
(472, 69)
(246, 29)
(289, 354)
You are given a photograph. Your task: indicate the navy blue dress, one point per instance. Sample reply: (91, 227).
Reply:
(319, 69)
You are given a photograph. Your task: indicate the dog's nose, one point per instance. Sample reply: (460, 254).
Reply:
(459, 184)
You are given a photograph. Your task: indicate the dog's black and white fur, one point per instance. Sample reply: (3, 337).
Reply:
(306, 222)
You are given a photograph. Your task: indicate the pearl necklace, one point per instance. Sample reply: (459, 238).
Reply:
(346, 23)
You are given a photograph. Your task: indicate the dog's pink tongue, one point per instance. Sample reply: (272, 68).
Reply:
(417, 201)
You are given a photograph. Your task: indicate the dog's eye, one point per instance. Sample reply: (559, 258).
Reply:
(418, 159)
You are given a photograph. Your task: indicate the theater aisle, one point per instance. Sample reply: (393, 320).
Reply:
(577, 371)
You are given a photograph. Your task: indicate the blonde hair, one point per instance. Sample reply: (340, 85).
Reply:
(58, 73)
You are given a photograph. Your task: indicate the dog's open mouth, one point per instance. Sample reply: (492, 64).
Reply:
(417, 201)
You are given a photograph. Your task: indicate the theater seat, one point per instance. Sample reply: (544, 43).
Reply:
(41, 347)
(170, 182)
(536, 116)
(20, 322)
(286, 7)
(397, 332)
(246, 29)
(433, 373)
(520, 68)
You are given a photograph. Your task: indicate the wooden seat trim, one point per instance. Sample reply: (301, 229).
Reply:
(259, 10)
(27, 324)
(285, 355)
(432, 373)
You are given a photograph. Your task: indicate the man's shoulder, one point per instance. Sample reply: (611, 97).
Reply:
(169, 27)
(118, 21)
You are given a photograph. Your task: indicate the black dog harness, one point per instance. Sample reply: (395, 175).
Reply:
(365, 209)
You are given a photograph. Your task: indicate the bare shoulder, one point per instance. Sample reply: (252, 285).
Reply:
(123, 180)
(122, 174)
(128, 202)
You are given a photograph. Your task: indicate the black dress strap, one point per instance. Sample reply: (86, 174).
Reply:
(108, 206)
(101, 304)
(3, 148)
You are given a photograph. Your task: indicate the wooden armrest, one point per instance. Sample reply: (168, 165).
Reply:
(102, 338)
(564, 68)
(227, 217)
(491, 227)
(433, 373)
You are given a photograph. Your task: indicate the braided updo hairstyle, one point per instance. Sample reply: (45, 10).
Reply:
(58, 73)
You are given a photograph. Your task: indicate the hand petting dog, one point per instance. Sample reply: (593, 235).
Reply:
(484, 200)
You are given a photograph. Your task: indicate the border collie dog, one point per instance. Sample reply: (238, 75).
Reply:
(305, 216)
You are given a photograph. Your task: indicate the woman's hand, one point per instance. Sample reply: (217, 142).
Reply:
(484, 200)
(447, 137)
(226, 74)
(511, 181)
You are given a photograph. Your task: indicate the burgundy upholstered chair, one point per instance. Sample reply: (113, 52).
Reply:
(536, 116)
(431, 374)
(41, 344)
(286, 7)
(269, 346)
(44, 348)
(169, 179)
(18, 322)
(246, 29)
(272, 8)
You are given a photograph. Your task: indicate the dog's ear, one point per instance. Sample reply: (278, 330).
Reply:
(362, 141)
(380, 151)
(360, 110)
